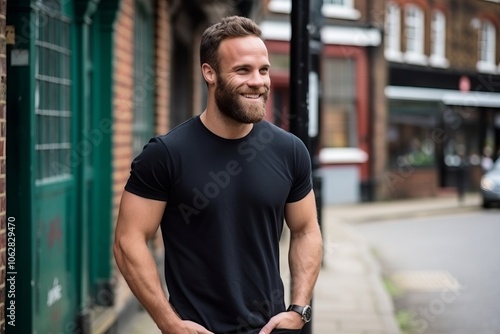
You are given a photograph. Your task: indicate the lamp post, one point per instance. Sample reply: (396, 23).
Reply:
(305, 101)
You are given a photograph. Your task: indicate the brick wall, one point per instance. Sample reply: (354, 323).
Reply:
(378, 130)
(162, 63)
(3, 125)
(412, 183)
(162, 87)
(122, 99)
(123, 102)
(122, 115)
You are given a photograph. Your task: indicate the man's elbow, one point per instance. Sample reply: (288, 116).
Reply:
(119, 251)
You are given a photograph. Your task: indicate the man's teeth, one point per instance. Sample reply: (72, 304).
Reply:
(252, 96)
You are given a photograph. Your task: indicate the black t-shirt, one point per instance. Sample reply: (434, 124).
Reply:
(224, 218)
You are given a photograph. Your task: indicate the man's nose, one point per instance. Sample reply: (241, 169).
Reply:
(256, 79)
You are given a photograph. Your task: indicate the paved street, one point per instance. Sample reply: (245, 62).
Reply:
(447, 267)
(350, 297)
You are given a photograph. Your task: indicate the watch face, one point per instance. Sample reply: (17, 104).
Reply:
(306, 313)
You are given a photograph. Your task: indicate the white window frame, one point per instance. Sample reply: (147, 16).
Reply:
(393, 32)
(438, 40)
(414, 53)
(487, 48)
(345, 10)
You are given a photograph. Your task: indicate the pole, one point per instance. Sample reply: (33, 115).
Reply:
(299, 70)
(299, 81)
(315, 50)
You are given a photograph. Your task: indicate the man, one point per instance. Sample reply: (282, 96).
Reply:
(220, 186)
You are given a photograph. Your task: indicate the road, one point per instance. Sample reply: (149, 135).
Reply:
(446, 267)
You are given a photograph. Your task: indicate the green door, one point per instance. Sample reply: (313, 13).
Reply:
(42, 190)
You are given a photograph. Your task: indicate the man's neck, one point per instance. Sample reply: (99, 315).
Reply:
(223, 126)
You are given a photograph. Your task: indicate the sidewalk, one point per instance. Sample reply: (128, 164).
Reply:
(350, 297)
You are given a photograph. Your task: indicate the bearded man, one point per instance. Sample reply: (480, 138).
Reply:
(220, 186)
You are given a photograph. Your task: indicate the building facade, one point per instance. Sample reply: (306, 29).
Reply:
(409, 93)
(89, 82)
(348, 42)
(443, 94)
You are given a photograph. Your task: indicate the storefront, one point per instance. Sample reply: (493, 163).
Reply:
(436, 138)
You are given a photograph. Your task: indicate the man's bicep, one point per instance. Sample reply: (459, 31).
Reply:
(301, 215)
(139, 216)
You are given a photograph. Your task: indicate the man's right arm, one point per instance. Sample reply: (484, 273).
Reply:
(138, 221)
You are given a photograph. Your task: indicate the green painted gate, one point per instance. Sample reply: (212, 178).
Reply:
(39, 118)
(59, 125)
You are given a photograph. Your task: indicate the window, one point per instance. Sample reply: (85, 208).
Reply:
(339, 103)
(53, 97)
(486, 47)
(393, 33)
(414, 34)
(410, 136)
(438, 40)
(340, 9)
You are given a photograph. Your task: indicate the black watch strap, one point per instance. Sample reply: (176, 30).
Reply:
(304, 311)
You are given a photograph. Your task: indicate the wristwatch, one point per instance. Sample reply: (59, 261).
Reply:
(304, 311)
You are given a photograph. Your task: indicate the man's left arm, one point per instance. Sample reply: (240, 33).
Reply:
(306, 248)
(305, 256)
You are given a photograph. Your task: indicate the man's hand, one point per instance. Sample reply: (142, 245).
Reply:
(288, 320)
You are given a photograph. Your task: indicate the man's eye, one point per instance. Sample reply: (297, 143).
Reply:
(264, 71)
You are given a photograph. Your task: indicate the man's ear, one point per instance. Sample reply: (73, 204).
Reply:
(208, 73)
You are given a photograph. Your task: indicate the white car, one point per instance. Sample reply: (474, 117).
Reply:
(490, 185)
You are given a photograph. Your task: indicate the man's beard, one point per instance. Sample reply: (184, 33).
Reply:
(229, 103)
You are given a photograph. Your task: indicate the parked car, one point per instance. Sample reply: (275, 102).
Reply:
(490, 185)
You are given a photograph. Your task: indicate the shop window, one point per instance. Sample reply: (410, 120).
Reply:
(338, 125)
(144, 75)
(414, 34)
(411, 136)
(487, 45)
(340, 9)
(393, 32)
(438, 40)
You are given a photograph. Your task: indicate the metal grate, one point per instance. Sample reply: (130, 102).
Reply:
(52, 94)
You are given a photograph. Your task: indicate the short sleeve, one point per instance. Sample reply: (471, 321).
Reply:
(150, 175)
(302, 172)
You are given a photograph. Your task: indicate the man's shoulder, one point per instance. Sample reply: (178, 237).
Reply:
(279, 135)
(264, 127)
(179, 132)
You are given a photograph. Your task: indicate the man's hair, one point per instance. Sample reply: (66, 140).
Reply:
(228, 27)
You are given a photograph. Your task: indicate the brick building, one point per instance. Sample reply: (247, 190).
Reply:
(443, 93)
(410, 93)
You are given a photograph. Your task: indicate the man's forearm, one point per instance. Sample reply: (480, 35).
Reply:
(139, 270)
(305, 256)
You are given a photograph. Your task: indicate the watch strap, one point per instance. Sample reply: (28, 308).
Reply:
(304, 311)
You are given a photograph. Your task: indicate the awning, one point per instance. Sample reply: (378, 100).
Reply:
(446, 96)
